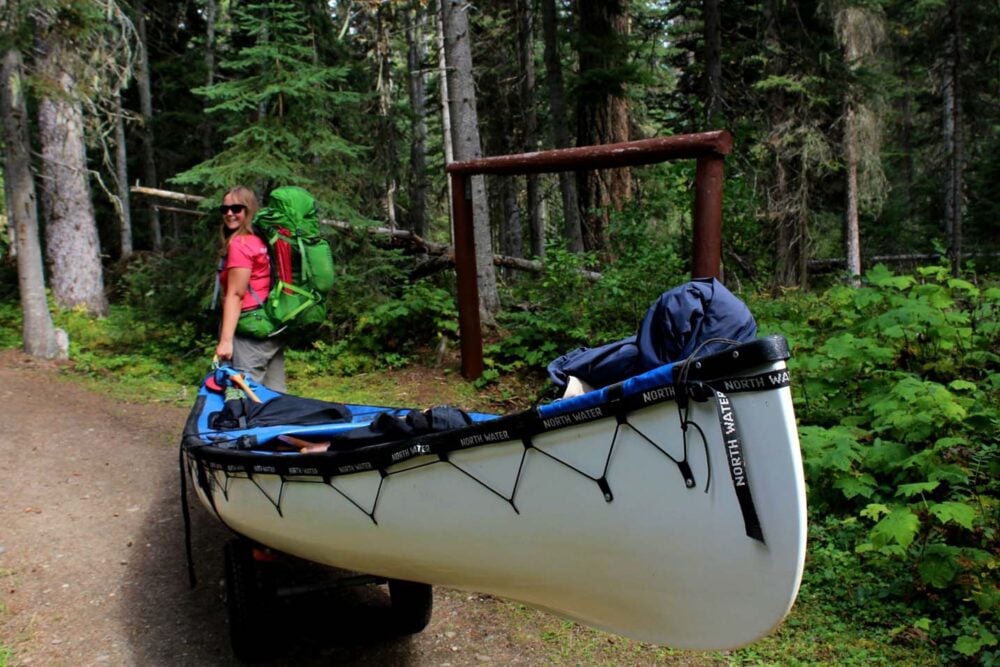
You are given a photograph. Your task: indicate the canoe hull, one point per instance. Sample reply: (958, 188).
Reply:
(593, 522)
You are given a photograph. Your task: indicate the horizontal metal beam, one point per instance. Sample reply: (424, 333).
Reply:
(604, 156)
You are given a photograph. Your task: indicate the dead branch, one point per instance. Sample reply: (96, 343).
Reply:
(166, 194)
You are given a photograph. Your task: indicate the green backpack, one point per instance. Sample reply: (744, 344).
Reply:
(301, 266)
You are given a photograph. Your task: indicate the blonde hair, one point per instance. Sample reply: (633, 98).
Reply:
(243, 195)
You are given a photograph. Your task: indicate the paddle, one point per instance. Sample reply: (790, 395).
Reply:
(304, 446)
(237, 379)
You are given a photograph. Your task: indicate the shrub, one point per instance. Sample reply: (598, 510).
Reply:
(897, 397)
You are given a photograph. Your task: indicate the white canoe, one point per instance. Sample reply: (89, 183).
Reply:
(592, 508)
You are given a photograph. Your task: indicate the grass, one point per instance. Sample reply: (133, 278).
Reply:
(6, 654)
(809, 636)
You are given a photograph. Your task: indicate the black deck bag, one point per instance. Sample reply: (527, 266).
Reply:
(388, 427)
(282, 409)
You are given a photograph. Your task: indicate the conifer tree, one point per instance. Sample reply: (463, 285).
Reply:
(280, 109)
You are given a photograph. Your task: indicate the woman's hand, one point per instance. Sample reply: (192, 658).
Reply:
(224, 350)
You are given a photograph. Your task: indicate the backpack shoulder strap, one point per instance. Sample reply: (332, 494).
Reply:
(261, 232)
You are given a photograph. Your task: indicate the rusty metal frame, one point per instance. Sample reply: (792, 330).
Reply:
(708, 148)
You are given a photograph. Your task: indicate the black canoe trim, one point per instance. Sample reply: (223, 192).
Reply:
(722, 369)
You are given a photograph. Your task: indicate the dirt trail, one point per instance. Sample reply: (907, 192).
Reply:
(92, 564)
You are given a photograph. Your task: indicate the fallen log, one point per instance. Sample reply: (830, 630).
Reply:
(444, 254)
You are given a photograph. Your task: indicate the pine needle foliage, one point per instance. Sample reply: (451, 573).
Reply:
(279, 108)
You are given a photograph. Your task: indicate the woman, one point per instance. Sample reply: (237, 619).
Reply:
(245, 280)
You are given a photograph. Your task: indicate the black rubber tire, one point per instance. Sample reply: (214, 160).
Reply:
(412, 605)
(249, 599)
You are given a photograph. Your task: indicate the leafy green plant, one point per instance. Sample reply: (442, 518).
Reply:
(563, 309)
(393, 329)
(10, 324)
(898, 403)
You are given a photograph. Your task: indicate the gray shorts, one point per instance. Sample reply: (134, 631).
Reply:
(262, 359)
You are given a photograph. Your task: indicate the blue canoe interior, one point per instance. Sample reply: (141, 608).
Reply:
(258, 445)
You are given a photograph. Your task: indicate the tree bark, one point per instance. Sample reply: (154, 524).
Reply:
(37, 329)
(852, 228)
(952, 136)
(211, 9)
(467, 145)
(446, 138)
(146, 110)
(511, 241)
(525, 42)
(783, 198)
(558, 125)
(72, 245)
(906, 144)
(713, 61)
(387, 144)
(602, 111)
(417, 182)
(121, 181)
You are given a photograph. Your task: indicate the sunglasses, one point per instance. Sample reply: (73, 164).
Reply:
(236, 209)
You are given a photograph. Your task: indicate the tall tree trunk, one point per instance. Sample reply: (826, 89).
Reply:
(72, 245)
(906, 144)
(37, 329)
(558, 124)
(511, 241)
(790, 241)
(143, 83)
(415, 53)
(121, 181)
(852, 228)
(713, 61)
(211, 10)
(467, 145)
(525, 43)
(602, 111)
(504, 195)
(446, 130)
(860, 31)
(387, 142)
(952, 135)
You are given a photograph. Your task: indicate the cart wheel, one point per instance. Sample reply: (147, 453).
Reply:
(249, 596)
(412, 604)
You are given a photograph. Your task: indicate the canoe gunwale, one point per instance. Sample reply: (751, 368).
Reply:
(729, 365)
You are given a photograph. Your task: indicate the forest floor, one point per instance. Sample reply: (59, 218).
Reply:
(93, 568)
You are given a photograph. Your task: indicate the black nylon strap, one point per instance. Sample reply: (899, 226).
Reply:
(186, 514)
(733, 442)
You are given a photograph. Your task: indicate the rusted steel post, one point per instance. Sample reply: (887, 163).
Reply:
(706, 261)
(469, 330)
